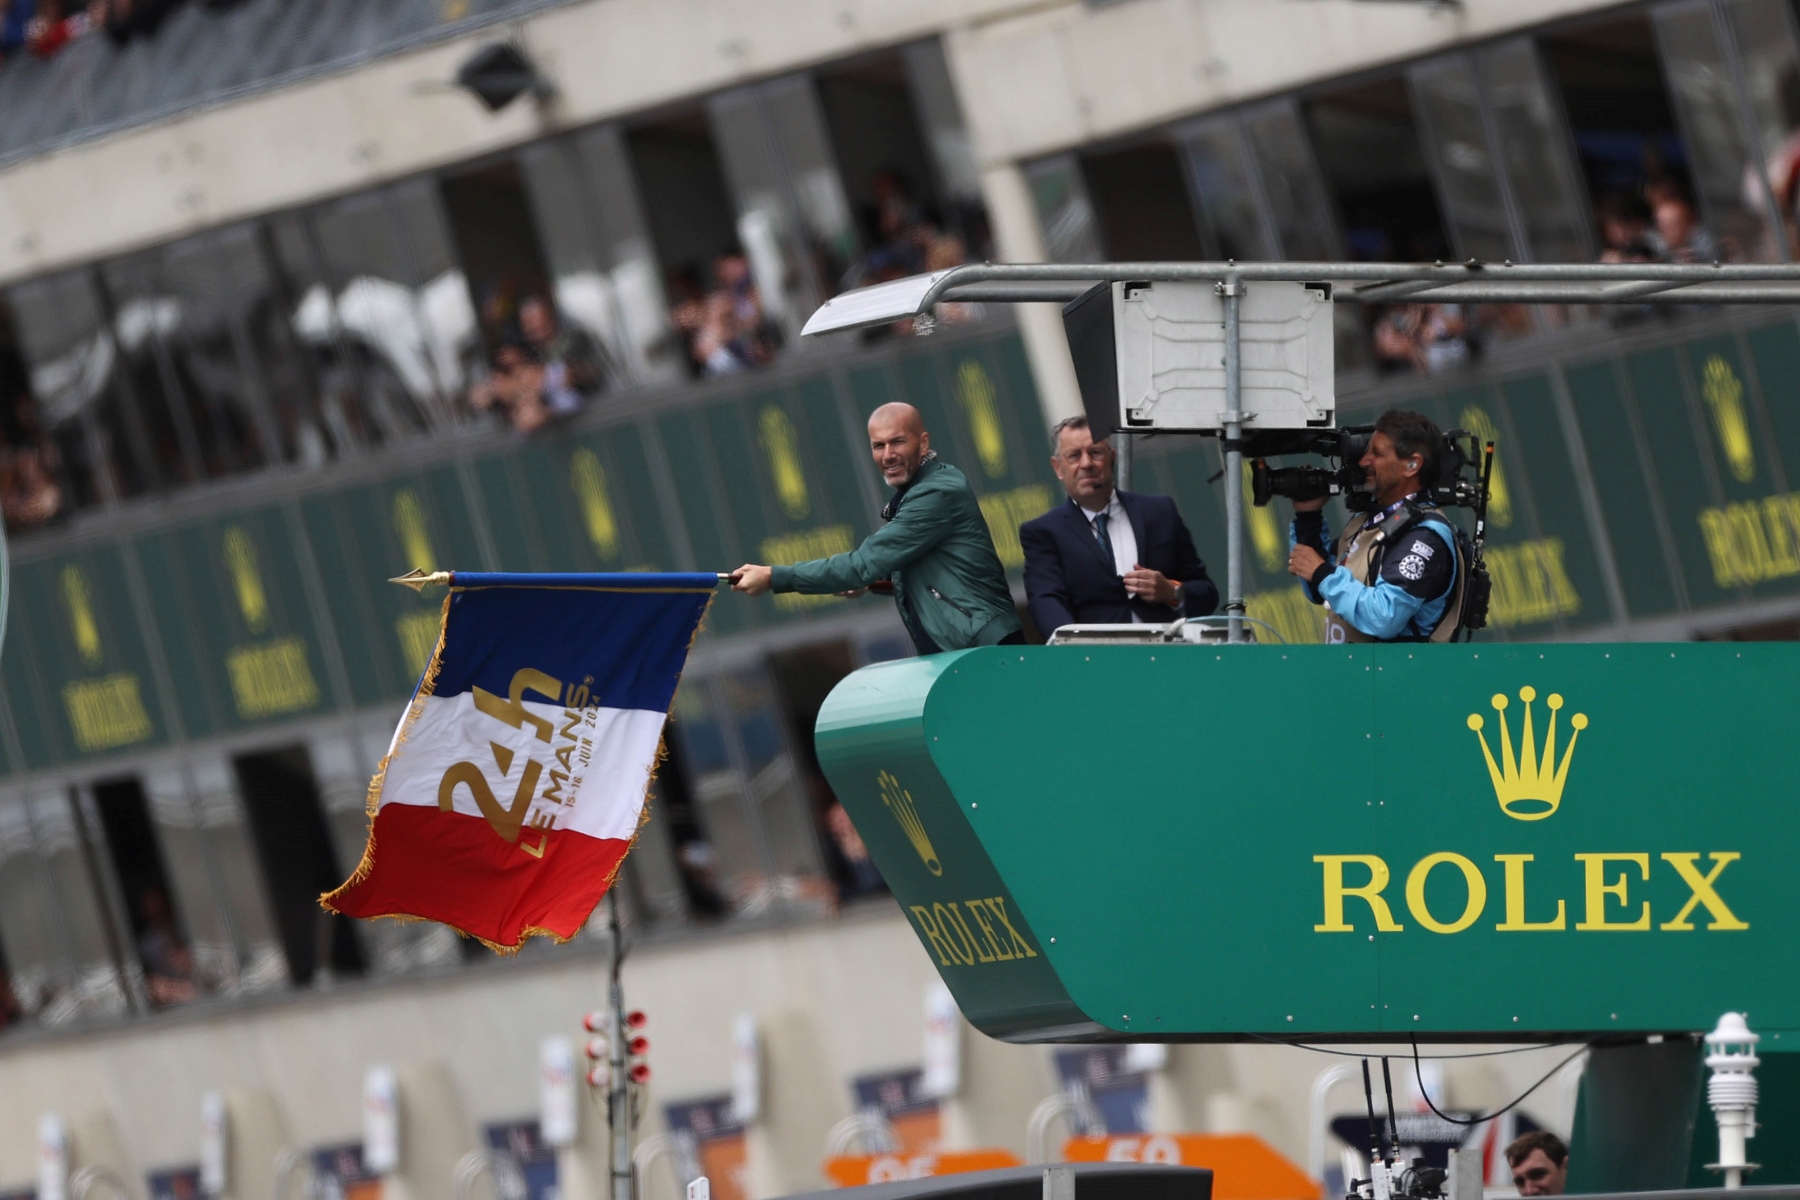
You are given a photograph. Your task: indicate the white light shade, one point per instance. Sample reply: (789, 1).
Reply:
(381, 1120)
(558, 1094)
(943, 1042)
(214, 1143)
(746, 1070)
(52, 1158)
(876, 305)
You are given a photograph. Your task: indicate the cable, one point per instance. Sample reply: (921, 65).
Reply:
(1427, 1057)
(1520, 1099)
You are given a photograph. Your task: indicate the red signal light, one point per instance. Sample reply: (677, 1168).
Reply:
(594, 1022)
(597, 1048)
(638, 1045)
(639, 1073)
(635, 1019)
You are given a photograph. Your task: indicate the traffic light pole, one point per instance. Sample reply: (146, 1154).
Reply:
(618, 1096)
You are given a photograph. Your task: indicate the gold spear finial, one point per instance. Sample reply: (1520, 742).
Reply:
(417, 579)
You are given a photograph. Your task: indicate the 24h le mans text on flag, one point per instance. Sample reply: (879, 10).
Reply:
(516, 781)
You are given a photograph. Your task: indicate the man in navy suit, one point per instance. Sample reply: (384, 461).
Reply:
(1107, 557)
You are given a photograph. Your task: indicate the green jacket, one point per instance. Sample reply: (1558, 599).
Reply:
(936, 548)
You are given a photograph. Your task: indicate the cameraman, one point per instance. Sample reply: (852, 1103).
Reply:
(1393, 574)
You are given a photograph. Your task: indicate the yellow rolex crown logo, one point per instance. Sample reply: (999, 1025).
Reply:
(900, 803)
(1523, 783)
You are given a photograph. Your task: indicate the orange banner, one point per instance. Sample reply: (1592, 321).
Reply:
(857, 1170)
(1244, 1166)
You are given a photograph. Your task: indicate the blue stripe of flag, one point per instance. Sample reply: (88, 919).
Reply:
(625, 636)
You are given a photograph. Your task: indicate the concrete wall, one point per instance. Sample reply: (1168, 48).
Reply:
(1033, 77)
(833, 1000)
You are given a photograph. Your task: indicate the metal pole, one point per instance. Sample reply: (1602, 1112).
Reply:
(618, 1099)
(1233, 292)
(1122, 460)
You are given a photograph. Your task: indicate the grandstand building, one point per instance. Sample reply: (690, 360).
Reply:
(296, 296)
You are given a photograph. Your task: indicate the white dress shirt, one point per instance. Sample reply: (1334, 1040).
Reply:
(1122, 537)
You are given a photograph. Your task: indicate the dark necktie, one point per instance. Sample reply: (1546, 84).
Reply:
(1100, 536)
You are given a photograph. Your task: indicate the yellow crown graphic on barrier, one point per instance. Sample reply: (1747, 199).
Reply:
(900, 803)
(1528, 779)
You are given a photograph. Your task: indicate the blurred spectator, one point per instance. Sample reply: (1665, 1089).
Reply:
(168, 965)
(30, 491)
(1625, 229)
(725, 330)
(515, 389)
(1679, 236)
(864, 877)
(126, 19)
(11, 1011)
(571, 361)
(1423, 337)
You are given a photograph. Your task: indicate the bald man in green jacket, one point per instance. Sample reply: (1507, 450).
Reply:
(935, 549)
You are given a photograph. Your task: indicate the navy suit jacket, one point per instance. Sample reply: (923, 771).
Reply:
(1068, 580)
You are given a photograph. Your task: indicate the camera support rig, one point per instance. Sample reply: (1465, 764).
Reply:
(1471, 282)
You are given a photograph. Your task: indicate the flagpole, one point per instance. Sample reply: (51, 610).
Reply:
(419, 580)
(618, 1101)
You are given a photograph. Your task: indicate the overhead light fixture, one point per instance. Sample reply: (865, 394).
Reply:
(500, 73)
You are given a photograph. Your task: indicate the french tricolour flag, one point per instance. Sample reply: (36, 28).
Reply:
(515, 783)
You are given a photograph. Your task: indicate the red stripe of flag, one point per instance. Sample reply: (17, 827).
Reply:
(451, 867)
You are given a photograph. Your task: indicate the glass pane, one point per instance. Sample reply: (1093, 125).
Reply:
(95, 987)
(39, 971)
(1221, 179)
(766, 225)
(369, 293)
(183, 437)
(801, 139)
(1064, 212)
(726, 276)
(441, 294)
(799, 875)
(1291, 185)
(188, 868)
(67, 405)
(935, 102)
(720, 857)
(232, 875)
(222, 289)
(1142, 204)
(1447, 107)
(1551, 203)
(1700, 81)
(585, 297)
(340, 370)
(628, 255)
(1764, 33)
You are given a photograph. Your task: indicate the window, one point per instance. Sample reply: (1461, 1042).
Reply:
(388, 282)
(1219, 172)
(539, 365)
(904, 161)
(1611, 86)
(294, 849)
(725, 298)
(803, 678)
(163, 947)
(192, 436)
(1065, 213)
(65, 958)
(1141, 202)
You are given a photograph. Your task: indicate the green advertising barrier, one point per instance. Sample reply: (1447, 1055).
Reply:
(1685, 447)
(1199, 843)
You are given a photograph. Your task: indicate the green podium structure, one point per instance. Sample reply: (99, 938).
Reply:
(1184, 842)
